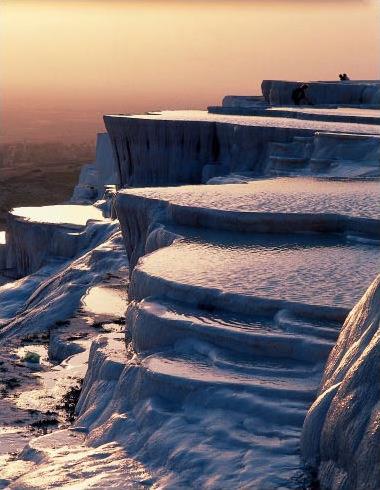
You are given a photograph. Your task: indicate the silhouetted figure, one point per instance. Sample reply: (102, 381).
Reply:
(343, 77)
(299, 96)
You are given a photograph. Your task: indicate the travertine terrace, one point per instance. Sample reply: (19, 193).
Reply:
(207, 268)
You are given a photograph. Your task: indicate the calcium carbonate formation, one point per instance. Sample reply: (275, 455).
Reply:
(214, 270)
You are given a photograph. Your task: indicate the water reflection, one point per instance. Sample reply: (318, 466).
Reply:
(285, 195)
(60, 214)
(308, 269)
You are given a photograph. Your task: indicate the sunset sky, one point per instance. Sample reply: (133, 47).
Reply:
(64, 63)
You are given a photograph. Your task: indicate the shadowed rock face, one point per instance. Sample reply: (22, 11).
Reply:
(190, 147)
(95, 176)
(341, 433)
(358, 92)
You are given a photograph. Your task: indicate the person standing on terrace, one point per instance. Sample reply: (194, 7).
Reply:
(343, 77)
(299, 96)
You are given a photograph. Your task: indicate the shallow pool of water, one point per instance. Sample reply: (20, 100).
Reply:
(61, 214)
(307, 269)
(282, 195)
(280, 122)
(106, 301)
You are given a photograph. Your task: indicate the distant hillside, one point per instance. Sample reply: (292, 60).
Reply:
(36, 174)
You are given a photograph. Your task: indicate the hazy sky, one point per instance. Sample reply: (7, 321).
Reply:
(64, 63)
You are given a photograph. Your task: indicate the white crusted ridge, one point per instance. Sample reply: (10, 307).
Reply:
(341, 433)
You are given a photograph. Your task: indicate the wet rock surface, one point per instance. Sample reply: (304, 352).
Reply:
(200, 377)
(342, 426)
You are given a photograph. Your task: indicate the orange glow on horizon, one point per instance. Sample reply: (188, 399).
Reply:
(111, 56)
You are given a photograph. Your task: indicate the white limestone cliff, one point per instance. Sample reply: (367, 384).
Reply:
(341, 434)
(95, 176)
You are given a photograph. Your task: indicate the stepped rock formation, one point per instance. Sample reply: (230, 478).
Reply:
(35, 234)
(190, 147)
(206, 313)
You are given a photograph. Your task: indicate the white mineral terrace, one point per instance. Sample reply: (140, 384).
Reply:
(283, 195)
(344, 111)
(63, 214)
(276, 267)
(207, 312)
(262, 121)
(235, 105)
